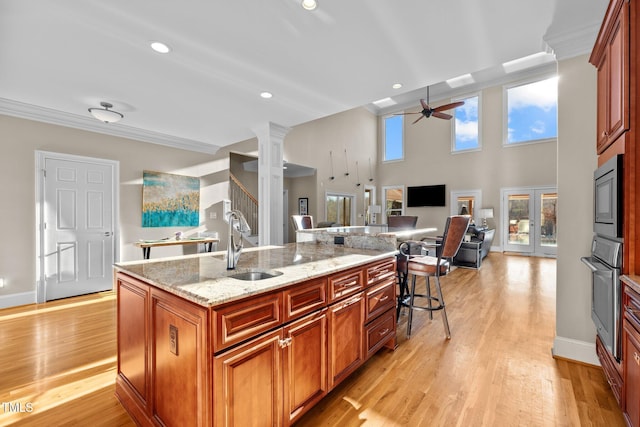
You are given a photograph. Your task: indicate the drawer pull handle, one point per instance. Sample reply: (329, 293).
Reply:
(349, 284)
(636, 358)
(349, 302)
(384, 332)
(383, 298)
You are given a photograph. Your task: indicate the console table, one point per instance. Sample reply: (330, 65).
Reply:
(146, 245)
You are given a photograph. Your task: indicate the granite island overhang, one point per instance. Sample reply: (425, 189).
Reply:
(205, 280)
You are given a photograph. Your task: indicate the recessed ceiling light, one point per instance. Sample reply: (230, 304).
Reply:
(160, 47)
(309, 4)
(266, 95)
(397, 85)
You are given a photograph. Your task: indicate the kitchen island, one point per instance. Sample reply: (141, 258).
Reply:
(199, 346)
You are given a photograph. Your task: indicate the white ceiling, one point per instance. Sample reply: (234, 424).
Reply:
(58, 58)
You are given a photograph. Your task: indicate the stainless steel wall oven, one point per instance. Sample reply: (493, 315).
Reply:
(605, 263)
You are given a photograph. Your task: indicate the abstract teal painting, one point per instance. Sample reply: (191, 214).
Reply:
(170, 200)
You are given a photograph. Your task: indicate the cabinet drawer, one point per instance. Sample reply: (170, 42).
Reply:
(380, 331)
(246, 319)
(631, 306)
(304, 298)
(380, 298)
(346, 283)
(611, 374)
(381, 271)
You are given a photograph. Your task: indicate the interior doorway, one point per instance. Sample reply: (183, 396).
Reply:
(77, 237)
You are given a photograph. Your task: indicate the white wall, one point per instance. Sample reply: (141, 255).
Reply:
(21, 138)
(309, 144)
(429, 161)
(575, 332)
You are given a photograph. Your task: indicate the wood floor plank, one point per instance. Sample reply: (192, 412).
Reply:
(59, 360)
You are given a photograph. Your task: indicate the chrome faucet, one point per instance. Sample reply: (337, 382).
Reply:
(238, 222)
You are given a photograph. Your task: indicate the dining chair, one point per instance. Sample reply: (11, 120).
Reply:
(302, 222)
(428, 266)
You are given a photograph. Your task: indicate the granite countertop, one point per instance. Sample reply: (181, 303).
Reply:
(204, 278)
(378, 237)
(632, 281)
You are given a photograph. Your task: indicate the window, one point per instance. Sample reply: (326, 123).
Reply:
(531, 112)
(393, 138)
(466, 126)
(339, 208)
(393, 200)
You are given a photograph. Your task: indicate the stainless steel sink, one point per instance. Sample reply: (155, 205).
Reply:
(253, 275)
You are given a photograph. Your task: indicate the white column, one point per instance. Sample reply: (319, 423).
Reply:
(270, 182)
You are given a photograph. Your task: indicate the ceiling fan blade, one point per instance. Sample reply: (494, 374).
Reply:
(449, 106)
(404, 114)
(424, 104)
(418, 119)
(441, 115)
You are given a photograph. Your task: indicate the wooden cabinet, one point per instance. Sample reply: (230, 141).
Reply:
(631, 356)
(346, 326)
(611, 369)
(180, 361)
(163, 356)
(304, 364)
(611, 57)
(134, 356)
(263, 360)
(248, 383)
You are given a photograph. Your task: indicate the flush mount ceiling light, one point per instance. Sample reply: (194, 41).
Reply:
(266, 95)
(309, 4)
(160, 47)
(105, 114)
(397, 85)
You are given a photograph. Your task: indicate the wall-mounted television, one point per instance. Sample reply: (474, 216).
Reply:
(426, 195)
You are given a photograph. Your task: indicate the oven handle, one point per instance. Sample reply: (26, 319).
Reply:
(594, 268)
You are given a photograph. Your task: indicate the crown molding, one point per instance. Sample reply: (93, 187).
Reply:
(47, 115)
(577, 41)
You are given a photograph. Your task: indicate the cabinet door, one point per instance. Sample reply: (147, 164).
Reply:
(181, 367)
(631, 356)
(618, 57)
(346, 342)
(248, 383)
(133, 334)
(304, 364)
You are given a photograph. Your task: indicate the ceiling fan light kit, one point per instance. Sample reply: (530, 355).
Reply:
(106, 115)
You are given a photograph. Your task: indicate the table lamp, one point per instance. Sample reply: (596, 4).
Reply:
(486, 213)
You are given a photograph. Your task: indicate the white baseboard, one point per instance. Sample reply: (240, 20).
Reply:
(14, 300)
(580, 351)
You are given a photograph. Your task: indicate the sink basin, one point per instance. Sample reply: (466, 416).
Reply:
(252, 275)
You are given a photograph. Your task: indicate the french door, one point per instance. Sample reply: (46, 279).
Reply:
(530, 220)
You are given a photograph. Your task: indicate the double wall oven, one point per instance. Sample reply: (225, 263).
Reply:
(605, 260)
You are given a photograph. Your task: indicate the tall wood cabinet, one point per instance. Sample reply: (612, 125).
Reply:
(616, 55)
(611, 57)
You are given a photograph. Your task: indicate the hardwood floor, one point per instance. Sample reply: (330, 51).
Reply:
(58, 363)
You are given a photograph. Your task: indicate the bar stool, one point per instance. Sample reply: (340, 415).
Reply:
(429, 266)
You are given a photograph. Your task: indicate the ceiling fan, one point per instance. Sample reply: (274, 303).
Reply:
(435, 112)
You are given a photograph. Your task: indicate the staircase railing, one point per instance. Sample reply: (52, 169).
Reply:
(243, 201)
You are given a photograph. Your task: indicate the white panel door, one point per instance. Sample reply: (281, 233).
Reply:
(78, 228)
